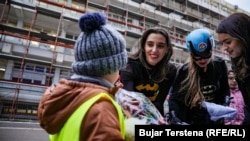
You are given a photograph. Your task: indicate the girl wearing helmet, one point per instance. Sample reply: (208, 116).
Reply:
(201, 79)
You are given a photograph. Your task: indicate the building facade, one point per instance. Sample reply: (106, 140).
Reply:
(37, 39)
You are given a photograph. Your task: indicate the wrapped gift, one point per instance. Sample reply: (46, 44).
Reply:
(138, 105)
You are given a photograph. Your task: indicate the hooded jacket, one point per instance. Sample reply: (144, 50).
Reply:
(244, 87)
(237, 102)
(61, 100)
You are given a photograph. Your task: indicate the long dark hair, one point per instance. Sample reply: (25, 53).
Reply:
(237, 25)
(140, 53)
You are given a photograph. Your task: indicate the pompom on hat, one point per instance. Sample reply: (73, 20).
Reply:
(99, 49)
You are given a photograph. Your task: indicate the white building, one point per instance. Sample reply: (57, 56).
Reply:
(37, 39)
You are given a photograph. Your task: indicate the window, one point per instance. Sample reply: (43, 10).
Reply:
(129, 20)
(64, 72)
(17, 65)
(116, 17)
(26, 80)
(33, 74)
(15, 79)
(48, 70)
(37, 82)
(69, 36)
(29, 67)
(48, 80)
(22, 110)
(39, 69)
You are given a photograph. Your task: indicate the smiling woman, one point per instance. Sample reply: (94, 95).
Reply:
(234, 35)
(149, 70)
(227, 42)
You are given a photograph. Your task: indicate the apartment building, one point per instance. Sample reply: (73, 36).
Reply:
(37, 39)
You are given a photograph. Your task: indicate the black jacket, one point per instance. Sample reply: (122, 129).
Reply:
(214, 86)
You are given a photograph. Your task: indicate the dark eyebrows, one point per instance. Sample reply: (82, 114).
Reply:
(225, 40)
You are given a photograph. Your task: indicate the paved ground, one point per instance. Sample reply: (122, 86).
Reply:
(22, 131)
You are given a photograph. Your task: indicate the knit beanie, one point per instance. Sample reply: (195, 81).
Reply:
(99, 49)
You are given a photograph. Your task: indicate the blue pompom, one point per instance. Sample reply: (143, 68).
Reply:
(91, 21)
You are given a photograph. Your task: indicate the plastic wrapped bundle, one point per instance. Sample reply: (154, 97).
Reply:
(217, 111)
(138, 105)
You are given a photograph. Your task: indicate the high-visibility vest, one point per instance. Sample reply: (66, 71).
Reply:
(71, 129)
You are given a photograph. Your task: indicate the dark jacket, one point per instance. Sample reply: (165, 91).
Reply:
(214, 86)
(135, 77)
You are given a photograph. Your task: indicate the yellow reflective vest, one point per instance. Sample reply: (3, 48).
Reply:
(71, 129)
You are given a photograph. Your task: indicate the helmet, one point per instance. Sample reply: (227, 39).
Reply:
(200, 43)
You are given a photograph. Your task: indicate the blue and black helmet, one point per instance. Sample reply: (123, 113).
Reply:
(200, 43)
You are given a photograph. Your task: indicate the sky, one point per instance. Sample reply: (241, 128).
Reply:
(243, 4)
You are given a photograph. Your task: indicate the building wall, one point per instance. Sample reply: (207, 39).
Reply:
(38, 36)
